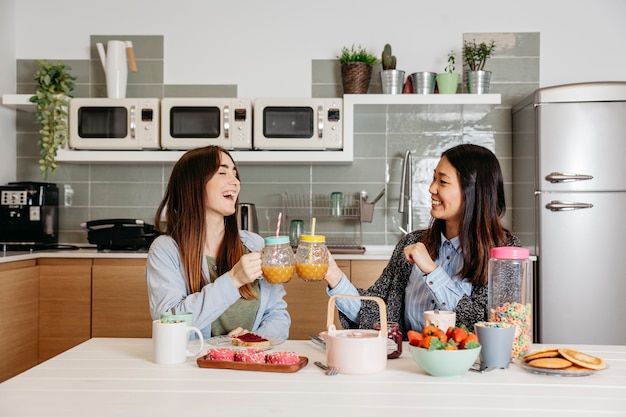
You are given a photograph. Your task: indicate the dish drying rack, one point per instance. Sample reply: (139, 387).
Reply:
(355, 208)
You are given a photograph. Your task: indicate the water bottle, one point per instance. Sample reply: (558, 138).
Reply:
(510, 298)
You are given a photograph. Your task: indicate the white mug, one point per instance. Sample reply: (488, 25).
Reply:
(440, 318)
(169, 342)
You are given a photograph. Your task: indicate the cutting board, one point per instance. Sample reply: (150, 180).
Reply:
(247, 366)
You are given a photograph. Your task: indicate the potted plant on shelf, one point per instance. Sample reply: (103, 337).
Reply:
(356, 69)
(55, 85)
(448, 81)
(391, 79)
(475, 56)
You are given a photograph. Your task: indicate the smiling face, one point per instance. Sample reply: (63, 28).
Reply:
(222, 190)
(447, 197)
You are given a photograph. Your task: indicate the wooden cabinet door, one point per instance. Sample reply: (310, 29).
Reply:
(307, 303)
(64, 304)
(19, 309)
(364, 273)
(120, 306)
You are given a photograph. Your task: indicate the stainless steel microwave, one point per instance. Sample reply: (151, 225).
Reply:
(298, 123)
(114, 123)
(188, 123)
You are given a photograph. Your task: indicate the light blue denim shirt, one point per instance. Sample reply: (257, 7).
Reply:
(167, 288)
(441, 289)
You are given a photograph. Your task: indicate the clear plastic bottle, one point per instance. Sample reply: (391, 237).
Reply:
(511, 294)
(312, 258)
(278, 260)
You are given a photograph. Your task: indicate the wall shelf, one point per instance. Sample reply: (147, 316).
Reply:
(19, 102)
(473, 102)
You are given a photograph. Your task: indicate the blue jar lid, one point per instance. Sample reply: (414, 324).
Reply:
(277, 240)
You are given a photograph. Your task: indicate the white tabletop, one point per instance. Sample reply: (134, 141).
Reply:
(116, 377)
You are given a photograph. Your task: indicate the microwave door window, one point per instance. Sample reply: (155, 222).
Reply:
(195, 122)
(288, 122)
(103, 122)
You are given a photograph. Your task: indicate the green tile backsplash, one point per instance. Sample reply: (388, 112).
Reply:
(381, 136)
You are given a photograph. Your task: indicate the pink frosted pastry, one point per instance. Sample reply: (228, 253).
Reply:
(282, 358)
(221, 354)
(250, 355)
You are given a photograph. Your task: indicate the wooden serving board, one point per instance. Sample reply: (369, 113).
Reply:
(247, 366)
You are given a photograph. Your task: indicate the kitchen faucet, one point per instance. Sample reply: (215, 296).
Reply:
(405, 206)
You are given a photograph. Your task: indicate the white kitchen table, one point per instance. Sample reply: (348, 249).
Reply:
(115, 377)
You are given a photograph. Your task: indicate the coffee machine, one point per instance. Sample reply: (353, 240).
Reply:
(29, 215)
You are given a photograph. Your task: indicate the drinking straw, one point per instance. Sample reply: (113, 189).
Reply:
(280, 215)
(312, 234)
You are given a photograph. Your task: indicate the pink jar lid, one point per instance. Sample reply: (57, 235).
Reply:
(510, 252)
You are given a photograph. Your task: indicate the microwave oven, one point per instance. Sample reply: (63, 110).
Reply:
(188, 123)
(298, 124)
(114, 123)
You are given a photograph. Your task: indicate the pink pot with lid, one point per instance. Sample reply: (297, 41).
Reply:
(356, 351)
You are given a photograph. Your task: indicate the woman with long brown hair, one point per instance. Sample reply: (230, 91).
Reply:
(445, 266)
(202, 263)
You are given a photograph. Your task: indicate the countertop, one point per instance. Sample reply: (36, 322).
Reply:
(371, 253)
(110, 376)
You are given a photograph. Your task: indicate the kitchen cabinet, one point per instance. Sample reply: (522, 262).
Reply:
(19, 309)
(307, 303)
(120, 306)
(64, 304)
(365, 273)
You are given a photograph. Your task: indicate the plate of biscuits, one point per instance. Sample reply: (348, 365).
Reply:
(562, 362)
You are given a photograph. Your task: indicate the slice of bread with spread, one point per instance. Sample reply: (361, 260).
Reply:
(249, 339)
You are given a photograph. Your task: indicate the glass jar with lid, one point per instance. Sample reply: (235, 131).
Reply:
(278, 260)
(510, 290)
(312, 258)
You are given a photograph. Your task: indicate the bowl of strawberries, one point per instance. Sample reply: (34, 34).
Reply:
(441, 353)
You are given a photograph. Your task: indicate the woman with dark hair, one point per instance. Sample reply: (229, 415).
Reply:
(445, 266)
(202, 263)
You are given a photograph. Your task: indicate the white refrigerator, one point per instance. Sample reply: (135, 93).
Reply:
(569, 208)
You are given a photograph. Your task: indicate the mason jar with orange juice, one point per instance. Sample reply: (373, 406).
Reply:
(312, 258)
(278, 260)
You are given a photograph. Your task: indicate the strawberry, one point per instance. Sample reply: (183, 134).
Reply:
(459, 334)
(430, 330)
(470, 342)
(415, 338)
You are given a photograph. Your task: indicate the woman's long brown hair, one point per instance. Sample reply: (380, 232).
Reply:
(183, 204)
(481, 229)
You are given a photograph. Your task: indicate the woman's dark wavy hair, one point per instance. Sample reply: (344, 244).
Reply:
(481, 229)
(185, 217)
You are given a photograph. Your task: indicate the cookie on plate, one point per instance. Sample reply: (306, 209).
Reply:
(542, 353)
(550, 363)
(582, 359)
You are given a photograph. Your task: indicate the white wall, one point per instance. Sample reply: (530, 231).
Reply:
(266, 47)
(7, 85)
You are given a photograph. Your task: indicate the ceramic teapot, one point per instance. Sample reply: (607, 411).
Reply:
(356, 351)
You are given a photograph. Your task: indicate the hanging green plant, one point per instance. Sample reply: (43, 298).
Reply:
(55, 85)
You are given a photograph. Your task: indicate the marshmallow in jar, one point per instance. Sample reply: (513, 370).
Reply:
(312, 258)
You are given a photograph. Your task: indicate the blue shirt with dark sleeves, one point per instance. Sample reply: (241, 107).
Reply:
(408, 292)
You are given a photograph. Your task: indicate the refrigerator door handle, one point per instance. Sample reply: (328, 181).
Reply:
(567, 205)
(555, 177)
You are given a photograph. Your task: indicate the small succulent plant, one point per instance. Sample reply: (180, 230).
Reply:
(388, 60)
(476, 54)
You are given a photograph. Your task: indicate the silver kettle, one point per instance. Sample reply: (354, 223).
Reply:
(246, 217)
